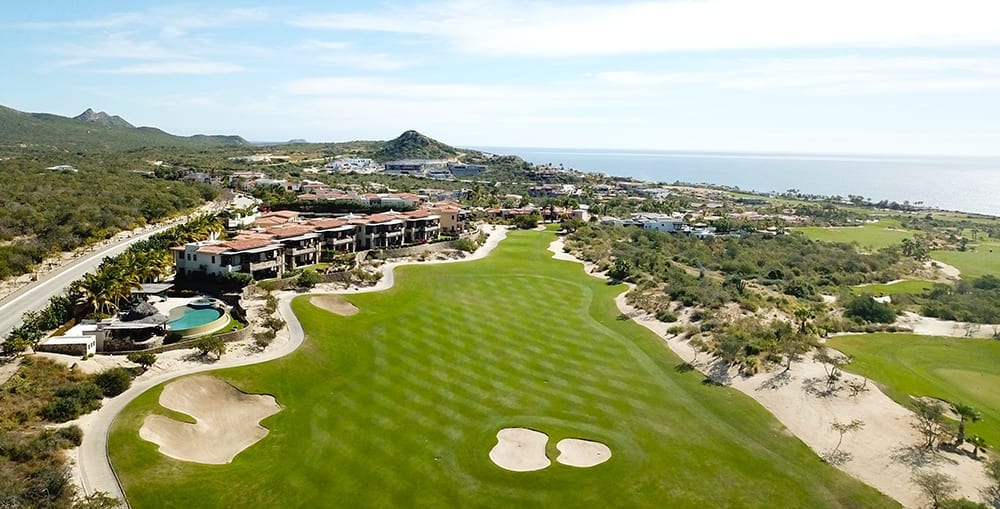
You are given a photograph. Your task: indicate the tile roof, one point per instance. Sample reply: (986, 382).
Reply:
(245, 244)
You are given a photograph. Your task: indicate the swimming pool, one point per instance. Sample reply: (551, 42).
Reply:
(189, 321)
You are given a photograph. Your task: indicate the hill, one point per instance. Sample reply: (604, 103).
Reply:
(413, 145)
(94, 131)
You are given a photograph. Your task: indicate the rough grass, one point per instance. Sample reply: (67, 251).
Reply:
(982, 259)
(914, 286)
(399, 406)
(871, 236)
(953, 369)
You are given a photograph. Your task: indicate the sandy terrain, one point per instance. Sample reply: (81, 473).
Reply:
(520, 450)
(881, 454)
(949, 271)
(227, 420)
(582, 453)
(334, 304)
(928, 326)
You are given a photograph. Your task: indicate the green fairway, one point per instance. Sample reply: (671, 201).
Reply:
(982, 260)
(399, 406)
(953, 369)
(916, 286)
(872, 236)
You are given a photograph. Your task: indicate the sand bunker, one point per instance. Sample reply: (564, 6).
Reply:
(520, 450)
(334, 304)
(228, 421)
(582, 453)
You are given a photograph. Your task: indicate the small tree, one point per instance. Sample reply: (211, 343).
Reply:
(966, 414)
(621, 270)
(263, 338)
(866, 308)
(937, 486)
(113, 381)
(844, 428)
(309, 279)
(978, 444)
(211, 344)
(144, 359)
(929, 422)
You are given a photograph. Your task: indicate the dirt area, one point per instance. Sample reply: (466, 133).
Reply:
(227, 420)
(334, 304)
(520, 450)
(582, 453)
(881, 454)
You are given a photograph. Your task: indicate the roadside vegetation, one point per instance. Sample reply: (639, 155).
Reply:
(33, 465)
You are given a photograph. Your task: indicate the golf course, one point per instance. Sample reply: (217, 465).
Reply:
(399, 402)
(956, 370)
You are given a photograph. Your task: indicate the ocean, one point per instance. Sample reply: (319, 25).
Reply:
(968, 184)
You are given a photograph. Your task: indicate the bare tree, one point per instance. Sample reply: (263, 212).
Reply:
(937, 486)
(836, 456)
(929, 422)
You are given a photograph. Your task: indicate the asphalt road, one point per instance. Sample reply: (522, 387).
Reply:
(35, 296)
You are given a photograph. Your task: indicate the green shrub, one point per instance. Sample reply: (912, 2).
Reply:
(864, 307)
(144, 359)
(113, 381)
(71, 434)
(666, 315)
(308, 279)
(465, 244)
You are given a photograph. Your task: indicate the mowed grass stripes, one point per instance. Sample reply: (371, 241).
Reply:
(399, 406)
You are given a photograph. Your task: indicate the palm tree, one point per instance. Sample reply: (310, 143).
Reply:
(978, 444)
(966, 413)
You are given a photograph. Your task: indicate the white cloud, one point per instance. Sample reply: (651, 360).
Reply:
(341, 53)
(833, 75)
(550, 30)
(177, 67)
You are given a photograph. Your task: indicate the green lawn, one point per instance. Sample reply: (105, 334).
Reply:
(952, 369)
(982, 260)
(909, 286)
(399, 406)
(883, 233)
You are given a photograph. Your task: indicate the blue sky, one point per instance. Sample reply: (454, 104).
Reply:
(845, 76)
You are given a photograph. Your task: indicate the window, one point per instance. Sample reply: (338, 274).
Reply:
(213, 258)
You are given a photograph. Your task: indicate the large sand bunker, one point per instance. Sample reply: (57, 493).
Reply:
(520, 450)
(334, 304)
(582, 453)
(227, 420)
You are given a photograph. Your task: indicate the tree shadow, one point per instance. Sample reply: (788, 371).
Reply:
(684, 367)
(718, 374)
(777, 381)
(200, 357)
(914, 456)
(837, 457)
(818, 387)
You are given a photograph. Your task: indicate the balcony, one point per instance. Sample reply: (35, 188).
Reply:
(295, 251)
(264, 265)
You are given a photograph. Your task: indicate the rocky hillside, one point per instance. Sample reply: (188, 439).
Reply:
(413, 145)
(93, 131)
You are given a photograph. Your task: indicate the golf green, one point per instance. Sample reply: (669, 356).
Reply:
(399, 406)
(957, 370)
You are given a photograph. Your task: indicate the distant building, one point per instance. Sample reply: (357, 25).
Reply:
(460, 170)
(418, 167)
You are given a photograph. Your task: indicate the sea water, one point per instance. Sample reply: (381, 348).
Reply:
(968, 184)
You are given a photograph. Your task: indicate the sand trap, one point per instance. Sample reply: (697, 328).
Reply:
(228, 421)
(582, 453)
(520, 450)
(334, 304)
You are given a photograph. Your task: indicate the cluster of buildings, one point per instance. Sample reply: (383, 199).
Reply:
(284, 240)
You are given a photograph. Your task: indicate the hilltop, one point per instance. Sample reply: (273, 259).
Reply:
(94, 130)
(413, 145)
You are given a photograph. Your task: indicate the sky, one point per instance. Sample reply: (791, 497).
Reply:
(843, 76)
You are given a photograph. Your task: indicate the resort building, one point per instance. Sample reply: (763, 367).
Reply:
(379, 231)
(302, 245)
(421, 227)
(259, 256)
(336, 234)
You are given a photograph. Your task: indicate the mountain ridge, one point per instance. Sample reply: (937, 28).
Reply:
(100, 130)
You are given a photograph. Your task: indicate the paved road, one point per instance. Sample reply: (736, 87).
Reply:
(35, 296)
